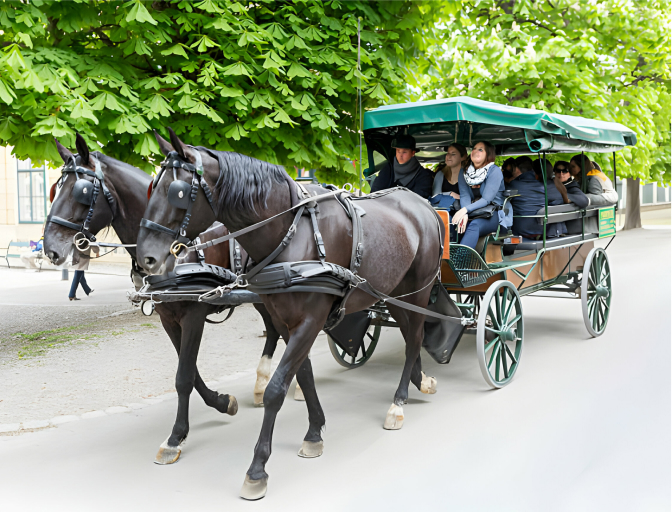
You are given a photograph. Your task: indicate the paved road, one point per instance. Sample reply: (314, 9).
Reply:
(584, 426)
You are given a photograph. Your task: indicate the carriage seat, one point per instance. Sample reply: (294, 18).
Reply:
(191, 277)
(568, 212)
(537, 245)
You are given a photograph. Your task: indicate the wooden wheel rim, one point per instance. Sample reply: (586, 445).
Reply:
(499, 333)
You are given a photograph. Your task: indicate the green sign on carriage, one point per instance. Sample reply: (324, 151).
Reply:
(607, 222)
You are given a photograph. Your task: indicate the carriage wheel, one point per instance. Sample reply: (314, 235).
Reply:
(596, 292)
(499, 333)
(364, 351)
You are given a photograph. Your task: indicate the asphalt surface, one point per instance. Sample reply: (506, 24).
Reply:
(585, 425)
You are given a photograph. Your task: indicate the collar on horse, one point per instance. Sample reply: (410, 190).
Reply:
(181, 194)
(86, 193)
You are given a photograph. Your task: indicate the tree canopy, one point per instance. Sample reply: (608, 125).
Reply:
(604, 59)
(271, 79)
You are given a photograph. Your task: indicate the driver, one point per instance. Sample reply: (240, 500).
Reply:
(406, 171)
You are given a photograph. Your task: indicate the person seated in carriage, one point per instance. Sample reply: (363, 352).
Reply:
(530, 200)
(600, 191)
(574, 192)
(481, 196)
(405, 171)
(553, 183)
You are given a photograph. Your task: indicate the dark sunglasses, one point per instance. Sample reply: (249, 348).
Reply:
(562, 170)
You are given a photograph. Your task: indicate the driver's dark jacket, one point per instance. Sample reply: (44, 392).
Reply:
(530, 201)
(421, 183)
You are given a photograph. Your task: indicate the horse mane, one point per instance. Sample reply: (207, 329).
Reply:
(243, 183)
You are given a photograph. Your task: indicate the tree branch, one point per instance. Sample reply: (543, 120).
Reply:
(538, 24)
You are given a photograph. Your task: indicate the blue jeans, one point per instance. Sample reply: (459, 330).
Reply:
(79, 278)
(477, 228)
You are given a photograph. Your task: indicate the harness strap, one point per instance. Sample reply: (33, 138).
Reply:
(94, 197)
(285, 242)
(255, 226)
(321, 251)
(151, 225)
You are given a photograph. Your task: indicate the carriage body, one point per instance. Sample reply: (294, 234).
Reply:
(486, 284)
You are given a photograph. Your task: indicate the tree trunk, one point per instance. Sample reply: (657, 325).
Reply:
(633, 219)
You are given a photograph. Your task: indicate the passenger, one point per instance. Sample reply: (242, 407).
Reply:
(555, 186)
(481, 185)
(574, 192)
(406, 171)
(507, 169)
(530, 201)
(600, 191)
(446, 179)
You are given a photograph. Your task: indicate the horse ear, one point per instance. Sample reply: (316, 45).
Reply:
(177, 144)
(65, 153)
(164, 145)
(83, 150)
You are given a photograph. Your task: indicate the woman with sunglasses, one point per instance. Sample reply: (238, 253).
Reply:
(574, 193)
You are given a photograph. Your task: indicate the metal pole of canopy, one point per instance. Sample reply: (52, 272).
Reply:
(615, 187)
(583, 173)
(543, 176)
(359, 98)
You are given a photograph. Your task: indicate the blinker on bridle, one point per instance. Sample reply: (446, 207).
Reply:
(181, 194)
(84, 192)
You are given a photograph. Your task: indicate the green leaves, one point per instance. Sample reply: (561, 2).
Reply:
(139, 13)
(275, 80)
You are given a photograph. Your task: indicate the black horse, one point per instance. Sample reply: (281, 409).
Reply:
(402, 250)
(183, 321)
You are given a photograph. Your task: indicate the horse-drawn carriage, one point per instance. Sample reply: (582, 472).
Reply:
(486, 284)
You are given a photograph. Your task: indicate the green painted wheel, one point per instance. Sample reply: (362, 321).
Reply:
(596, 292)
(499, 333)
(364, 351)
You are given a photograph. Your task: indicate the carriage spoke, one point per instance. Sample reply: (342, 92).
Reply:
(498, 308)
(495, 322)
(514, 321)
(502, 320)
(497, 369)
(503, 356)
(508, 312)
(493, 356)
(513, 358)
(490, 344)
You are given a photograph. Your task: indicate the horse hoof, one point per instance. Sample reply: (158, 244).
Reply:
(428, 384)
(233, 406)
(298, 394)
(311, 449)
(167, 454)
(395, 417)
(254, 489)
(259, 399)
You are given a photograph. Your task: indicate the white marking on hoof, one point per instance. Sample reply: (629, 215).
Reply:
(428, 384)
(394, 418)
(254, 489)
(263, 376)
(168, 454)
(298, 394)
(232, 409)
(311, 449)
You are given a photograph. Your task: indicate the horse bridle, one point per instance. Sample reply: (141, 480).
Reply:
(86, 193)
(181, 194)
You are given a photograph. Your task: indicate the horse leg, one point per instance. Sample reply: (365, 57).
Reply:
(312, 446)
(264, 368)
(426, 384)
(298, 347)
(412, 327)
(212, 398)
(192, 330)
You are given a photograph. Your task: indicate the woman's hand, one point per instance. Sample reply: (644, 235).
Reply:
(454, 195)
(460, 219)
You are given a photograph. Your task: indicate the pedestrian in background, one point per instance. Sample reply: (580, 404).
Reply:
(79, 278)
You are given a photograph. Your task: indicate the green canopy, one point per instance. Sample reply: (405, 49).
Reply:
(513, 130)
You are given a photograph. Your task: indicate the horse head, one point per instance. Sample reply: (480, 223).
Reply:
(72, 197)
(178, 208)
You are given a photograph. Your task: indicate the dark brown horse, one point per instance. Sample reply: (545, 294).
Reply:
(402, 249)
(183, 321)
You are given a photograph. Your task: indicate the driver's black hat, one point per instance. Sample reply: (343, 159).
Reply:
(406, 142)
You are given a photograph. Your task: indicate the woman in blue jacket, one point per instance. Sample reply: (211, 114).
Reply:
(482, 184)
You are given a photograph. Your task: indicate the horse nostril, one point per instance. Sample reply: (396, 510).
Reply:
(149, 262)
(53, 256)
